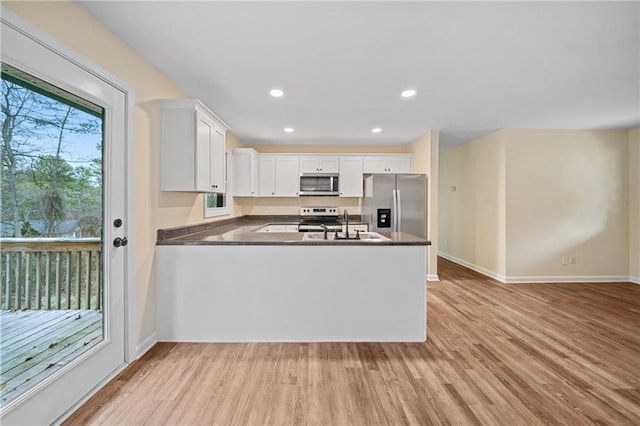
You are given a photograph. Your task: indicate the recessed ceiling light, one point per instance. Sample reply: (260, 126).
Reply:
(288, 129)
(408, 93)
(376, 130)
(276, 93)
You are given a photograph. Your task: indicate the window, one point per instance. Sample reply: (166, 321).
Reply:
(216, 203)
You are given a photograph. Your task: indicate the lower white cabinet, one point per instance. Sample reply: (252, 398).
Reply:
(351, 176)
(278, 227)
(353, 228)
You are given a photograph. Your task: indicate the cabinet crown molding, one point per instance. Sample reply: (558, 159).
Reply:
(186, 104)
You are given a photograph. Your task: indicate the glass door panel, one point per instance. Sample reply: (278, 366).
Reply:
(51, 246)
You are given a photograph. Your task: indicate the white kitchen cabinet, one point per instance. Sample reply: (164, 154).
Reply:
(319, 164)
(192, 147)
(272, 228)
(279, 176)
(353, 228)
(278, 227)
(399, 163)
(246, 180)
(351, 176)
(217, 161)
(287, 176)
(267, 176)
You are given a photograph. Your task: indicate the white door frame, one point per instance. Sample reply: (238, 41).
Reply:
(12, 20)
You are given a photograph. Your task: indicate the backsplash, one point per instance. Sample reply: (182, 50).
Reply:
(273, 206)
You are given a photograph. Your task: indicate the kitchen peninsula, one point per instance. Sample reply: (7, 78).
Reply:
(224, 282)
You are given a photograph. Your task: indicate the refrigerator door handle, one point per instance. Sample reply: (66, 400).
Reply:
(394, 211)
(399, 210)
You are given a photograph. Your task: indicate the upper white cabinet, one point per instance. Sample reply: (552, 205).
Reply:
(245, 172)
(193, 147)
(400, 163)
(319, 164)
(217, 162)
(351, 176)
(287, 177)
(279, 176)
(267, 176)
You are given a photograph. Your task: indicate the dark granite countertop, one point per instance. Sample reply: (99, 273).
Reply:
(240, 231)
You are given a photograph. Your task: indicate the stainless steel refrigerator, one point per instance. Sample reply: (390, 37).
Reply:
(396, 203)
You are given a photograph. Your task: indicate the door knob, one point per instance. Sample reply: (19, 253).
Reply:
(120, 242)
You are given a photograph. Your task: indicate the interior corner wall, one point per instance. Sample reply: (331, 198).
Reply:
(425, 152)
(567, 195)
(73, 26)
(634, 205)
(472, 204)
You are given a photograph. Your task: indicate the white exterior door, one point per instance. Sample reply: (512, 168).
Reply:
(54, 396)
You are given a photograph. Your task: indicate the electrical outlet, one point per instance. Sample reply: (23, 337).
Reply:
(572, 260)
(446, 243)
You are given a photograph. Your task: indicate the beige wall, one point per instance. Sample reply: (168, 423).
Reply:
(525, 198)
(69, 23)
(634, 205)
(425, 152)
(471, 199)
(567, 196)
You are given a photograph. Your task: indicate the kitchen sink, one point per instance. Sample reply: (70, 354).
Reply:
(364, 236)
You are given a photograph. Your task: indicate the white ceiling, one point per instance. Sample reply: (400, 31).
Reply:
(477, 66)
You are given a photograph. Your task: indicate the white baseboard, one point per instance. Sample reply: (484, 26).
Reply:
(542, 279)
(433, 278)
(569, 279)
(471, 266)
(146, 344)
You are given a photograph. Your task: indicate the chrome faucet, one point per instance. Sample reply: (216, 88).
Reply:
(346, 222)
(324, 231)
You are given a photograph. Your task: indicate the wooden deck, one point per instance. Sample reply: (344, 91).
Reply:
(35, 344)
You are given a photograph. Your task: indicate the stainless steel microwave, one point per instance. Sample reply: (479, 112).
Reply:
(319, 184)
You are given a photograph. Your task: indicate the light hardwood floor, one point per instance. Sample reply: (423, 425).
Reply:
(497, 354)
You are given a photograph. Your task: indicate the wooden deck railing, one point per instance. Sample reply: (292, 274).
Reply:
(51, 273)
